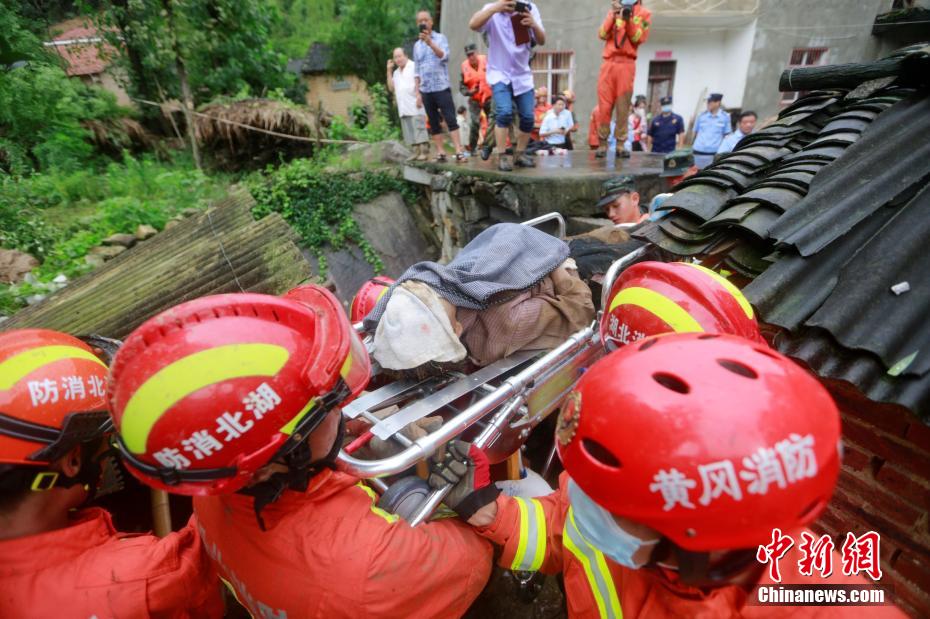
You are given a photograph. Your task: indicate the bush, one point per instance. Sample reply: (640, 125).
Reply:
(59, 217)
(41, 109)
(318, 203)
(369, 123)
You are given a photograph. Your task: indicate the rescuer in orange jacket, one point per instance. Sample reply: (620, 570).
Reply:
(683, 455)
(236, 399)
(624, 29)
(474, 85)
(57, 560)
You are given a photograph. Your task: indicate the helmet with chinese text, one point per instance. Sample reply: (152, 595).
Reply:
(650, 298)
(206, 393)
(52, 396)
(740, 440)
(367, 297)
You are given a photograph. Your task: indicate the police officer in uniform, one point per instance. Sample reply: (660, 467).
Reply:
(711, 126)
(666, 133)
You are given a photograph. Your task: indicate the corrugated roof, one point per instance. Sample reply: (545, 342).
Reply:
(822, 212)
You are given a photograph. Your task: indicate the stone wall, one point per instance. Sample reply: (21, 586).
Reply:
(465, 201)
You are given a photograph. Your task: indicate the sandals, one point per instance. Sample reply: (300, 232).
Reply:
(461, 158)
(441, 158)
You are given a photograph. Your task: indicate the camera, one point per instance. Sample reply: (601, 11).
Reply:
(522, 7)
(422, 27)
(626, 8)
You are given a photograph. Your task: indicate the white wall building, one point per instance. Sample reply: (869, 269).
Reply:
(695, 47)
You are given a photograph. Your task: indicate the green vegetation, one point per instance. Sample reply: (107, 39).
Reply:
(64, 188)
(302, 23)
(360, 48)
(58, 217)
(41, 109)
(224, 46)
(317, 202)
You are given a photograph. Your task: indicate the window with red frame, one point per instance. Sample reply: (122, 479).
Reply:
(803, 57)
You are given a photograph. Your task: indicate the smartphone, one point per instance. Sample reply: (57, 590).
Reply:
(522, 7)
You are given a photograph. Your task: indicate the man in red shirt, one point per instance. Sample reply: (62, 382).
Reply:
(474, 85)
(743, 444)
(57, 558)
(236, 399)
(625, 28)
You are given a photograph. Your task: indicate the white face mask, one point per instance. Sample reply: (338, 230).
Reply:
(598, 526)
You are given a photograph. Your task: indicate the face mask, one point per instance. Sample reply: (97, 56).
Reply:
(666, 108)
(597, 526)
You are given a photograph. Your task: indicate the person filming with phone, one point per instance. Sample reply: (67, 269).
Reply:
(512, 29)
(431, 58)
(625, 28)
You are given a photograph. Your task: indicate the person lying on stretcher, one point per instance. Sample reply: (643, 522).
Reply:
(512, 288)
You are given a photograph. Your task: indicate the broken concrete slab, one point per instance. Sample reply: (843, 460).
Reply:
(388, 151)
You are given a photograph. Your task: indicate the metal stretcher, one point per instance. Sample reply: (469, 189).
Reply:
(495, 407)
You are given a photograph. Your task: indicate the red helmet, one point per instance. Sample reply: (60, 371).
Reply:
(52, 396)
(740, 440)
(206, 393)
(651, 298)
(367, 297)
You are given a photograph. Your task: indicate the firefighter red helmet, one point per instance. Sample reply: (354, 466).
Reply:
(52, 396)
(367, 297)
(739, 439)
(651, 298)
(206, 393)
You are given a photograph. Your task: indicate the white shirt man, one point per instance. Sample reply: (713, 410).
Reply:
(555, 124)
(402, 82)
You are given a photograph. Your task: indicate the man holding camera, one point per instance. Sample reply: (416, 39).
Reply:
(431, 57)
(625, 28)
(512, 29)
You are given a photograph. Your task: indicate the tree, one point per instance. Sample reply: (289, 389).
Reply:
(224, 45)
(41, 109)
(368, 31)
(302, 23)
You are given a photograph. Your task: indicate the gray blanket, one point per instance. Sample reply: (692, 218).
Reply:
(503, 258)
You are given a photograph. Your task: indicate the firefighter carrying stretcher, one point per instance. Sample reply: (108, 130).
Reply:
(235, 399)
(742, 442)
(60, 557)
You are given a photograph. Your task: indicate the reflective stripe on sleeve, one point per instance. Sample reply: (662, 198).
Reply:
(531, 549)
(595, 569)
(391, 518)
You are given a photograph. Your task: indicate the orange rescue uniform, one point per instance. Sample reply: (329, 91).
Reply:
(539, 112)
(539, 535)
(330, 552)
(88, 569)
(477, 79)
(615, 83)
